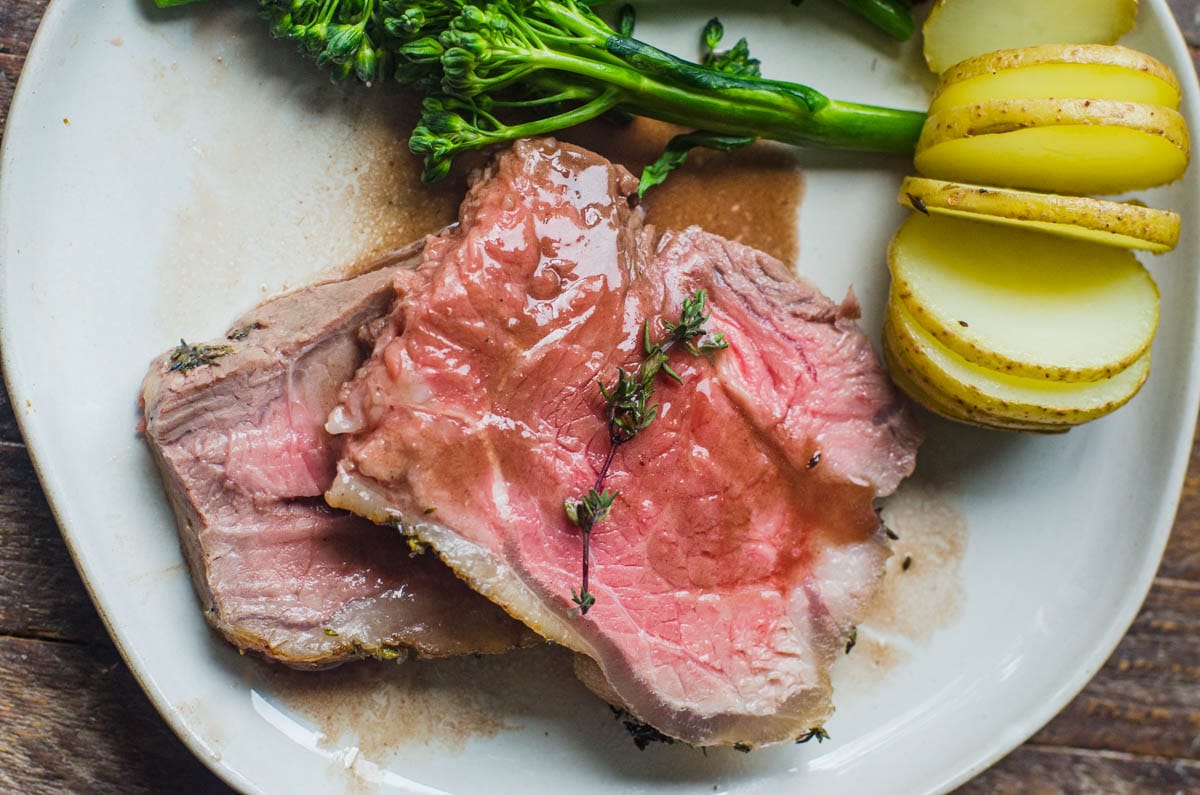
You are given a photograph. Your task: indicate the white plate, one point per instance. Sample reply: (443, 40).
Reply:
(163, 172)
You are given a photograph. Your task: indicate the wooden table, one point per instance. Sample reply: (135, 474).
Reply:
(73, 719)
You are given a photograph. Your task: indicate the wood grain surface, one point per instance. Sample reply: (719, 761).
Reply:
(72, 718)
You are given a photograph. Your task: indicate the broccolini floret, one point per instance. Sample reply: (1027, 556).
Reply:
(494, 71)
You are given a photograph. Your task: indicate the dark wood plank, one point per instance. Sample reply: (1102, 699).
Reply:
(1182, 558)
(10, 68)
(9, 432)
(76, 721)
(1186, 14)
(18, 21)
(1146, 700)
(41, 595)
(1037, 770)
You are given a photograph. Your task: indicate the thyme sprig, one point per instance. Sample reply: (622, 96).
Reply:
(628, 411)
(186, 356)
(817, 733)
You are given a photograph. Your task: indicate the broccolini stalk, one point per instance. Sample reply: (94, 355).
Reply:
(493, 71)
(893, 17)
(476, 58)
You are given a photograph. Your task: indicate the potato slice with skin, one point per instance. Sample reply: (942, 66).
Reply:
(993, 117)
(1094, 220)
(959, 29)
(1063, 146)
(909, 381)
(1007, 397)
(1090, 71)
(1024, 302)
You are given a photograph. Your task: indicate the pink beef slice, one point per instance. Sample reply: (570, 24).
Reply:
(743, 544)
(245, 460)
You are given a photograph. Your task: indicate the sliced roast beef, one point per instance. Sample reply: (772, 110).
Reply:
(743, 542)
(235, 427)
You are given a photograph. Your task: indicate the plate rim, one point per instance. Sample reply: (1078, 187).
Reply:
(1100, 651)
(1164, 520)
(56, 11)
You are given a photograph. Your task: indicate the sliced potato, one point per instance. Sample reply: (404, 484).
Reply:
(1095, 220)
(992, 117)
(959, 29)
(1024, 302)
(1007, 397)
(905, 376)
(1062, 146)
(1091, 71)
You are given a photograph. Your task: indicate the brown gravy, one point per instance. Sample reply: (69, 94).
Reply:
(378, 707)
(922, 584)
(750, 195)
(922, 589)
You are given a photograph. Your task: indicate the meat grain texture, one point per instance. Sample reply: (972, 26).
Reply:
(743, 544)
(245, 459)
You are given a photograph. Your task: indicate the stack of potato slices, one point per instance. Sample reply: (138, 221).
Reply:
(1016, 300)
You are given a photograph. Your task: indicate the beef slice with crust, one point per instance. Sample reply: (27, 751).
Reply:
(245, 460)
(743, 544)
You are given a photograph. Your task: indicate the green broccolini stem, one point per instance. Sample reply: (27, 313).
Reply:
(597, 106)
(551, 64)
(542, 48)
(894, 17)
(693, 95)
(786, 112)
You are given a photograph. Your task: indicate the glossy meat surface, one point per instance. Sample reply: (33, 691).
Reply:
(743, 543)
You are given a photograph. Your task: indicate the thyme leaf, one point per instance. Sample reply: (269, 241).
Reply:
(188, 357)
(817, 733)
(584, 600)
(243, 332)
(593, 507)
(416, 546)
(628, 411)
(643, 734)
